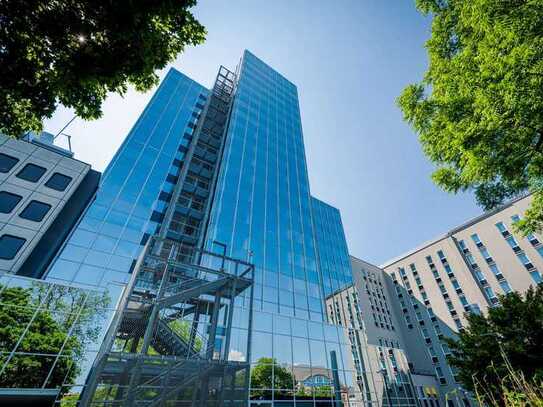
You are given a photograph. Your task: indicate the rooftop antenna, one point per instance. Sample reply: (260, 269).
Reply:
(64, 128)
(61, 133)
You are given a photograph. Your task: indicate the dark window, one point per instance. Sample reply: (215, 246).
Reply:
(7, 162)
(157, 216)
(31, 172)
(144, 239)
(35, 211)
(9, 246)
(164, 196)
(8, 201)
(58, 181)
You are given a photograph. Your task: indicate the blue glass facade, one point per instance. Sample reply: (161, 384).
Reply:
(130, 199)
(334, 260)
(262, 209)
(262, 212)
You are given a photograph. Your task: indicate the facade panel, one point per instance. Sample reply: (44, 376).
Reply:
(464, 271)
(133, 192)
(332, 247)
(262, 212)
(30, 203)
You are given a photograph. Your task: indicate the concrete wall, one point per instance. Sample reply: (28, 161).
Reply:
(11, 223)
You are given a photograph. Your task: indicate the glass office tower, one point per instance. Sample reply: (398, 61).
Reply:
(262, 209)
(135, 187)
(261, 212)
(334, 261)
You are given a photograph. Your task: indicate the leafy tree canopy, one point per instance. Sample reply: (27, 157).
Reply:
(479, 108)
(268, 371)
(38, 323)
(508, 338)
(45, 336)
(74, 52)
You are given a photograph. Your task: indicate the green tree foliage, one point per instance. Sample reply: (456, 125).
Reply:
(268, 371)
(508, 339)
(49, 321)
(183, 329)
(44, 336)
(74, 52)
(479, 109)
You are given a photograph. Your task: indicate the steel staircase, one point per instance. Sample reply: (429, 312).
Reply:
(168, 341)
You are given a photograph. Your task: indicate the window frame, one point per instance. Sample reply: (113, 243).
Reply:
(19, 174)
(27, 208)
(16, 203)
(9, 157)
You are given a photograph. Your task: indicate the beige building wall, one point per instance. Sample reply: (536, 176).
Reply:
(463, 271)
(367, 310)
(424, 359)
(482, 262)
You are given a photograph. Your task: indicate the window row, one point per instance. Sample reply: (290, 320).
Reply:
(10, 246)
(33, 173)
(34, 211)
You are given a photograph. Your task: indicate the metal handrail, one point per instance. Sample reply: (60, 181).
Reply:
(141, 387)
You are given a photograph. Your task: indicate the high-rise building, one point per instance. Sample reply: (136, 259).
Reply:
(460, 272)
(262, 213)
(397, 360)
(202, 244)
(201, 271)
(135, 188)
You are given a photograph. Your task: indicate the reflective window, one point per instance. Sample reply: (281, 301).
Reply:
(53, 331)
(300, 353)
(7, 162)
(58, 181)
(9, 246)
(261, 346)
(35, 211)
(8, 201)
(31, 172)
(505, 287)
(282, 351)
(116, 223)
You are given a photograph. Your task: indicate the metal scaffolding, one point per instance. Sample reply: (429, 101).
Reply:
(187, 215)
(171, 343)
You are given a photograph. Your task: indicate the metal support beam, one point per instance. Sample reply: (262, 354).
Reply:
(163, 288)
(230, 316)
(150, 328)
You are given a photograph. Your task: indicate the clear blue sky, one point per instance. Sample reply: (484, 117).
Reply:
(350, 60)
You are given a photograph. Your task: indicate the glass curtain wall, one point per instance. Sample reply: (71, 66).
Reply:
(135, 188)
(262, 213)
(334, 260)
